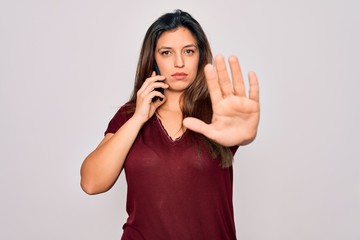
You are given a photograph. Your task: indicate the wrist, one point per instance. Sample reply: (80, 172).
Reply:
(138, 121)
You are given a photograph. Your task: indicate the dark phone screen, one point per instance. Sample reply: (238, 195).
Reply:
(157, 71)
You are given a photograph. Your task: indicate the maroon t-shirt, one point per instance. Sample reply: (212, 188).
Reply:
(175, 189)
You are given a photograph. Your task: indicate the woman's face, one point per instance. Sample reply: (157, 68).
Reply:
(177, 57)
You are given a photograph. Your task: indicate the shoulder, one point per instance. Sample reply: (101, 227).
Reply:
(125, 111)
(121, 116)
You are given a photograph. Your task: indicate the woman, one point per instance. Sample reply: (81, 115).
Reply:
(177, 146)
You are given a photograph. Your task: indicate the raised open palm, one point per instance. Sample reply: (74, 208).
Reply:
(235, 114)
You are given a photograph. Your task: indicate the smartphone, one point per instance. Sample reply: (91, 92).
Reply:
(157, 71)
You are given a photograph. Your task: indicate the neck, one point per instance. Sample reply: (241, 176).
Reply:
(173, 101)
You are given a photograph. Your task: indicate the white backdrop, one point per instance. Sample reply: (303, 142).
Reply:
(66, 66)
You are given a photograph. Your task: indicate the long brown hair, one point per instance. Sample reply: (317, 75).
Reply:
(196, 99)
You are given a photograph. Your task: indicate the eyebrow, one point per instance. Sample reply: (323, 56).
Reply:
(186, 46)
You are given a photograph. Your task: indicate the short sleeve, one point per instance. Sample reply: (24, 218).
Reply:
(120, 117)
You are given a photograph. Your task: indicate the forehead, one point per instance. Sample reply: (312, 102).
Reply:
(178, 37)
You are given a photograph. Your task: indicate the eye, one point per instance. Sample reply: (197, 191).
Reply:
(165, 53)
(189, 51)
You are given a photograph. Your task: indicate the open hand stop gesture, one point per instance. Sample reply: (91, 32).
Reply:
(235, 115)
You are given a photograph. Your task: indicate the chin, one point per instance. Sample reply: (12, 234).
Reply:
(177, 89)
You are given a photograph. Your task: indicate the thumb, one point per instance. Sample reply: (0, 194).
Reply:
(197, 125)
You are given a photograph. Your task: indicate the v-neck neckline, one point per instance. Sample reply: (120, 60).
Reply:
(171, 140)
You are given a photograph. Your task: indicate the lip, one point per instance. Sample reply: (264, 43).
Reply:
(179, 75)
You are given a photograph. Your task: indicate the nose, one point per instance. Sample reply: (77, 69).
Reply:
(179, 61)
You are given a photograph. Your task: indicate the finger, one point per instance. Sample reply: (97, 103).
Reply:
(158, 103)
(237, 76)
(150, 80)
(152, 88)
(199, 126)
(212, 83)
(254, 87)
(148, 97)
(155, 78)
(223, 76)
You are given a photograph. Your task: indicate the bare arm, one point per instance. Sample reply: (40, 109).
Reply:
(103, 166)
